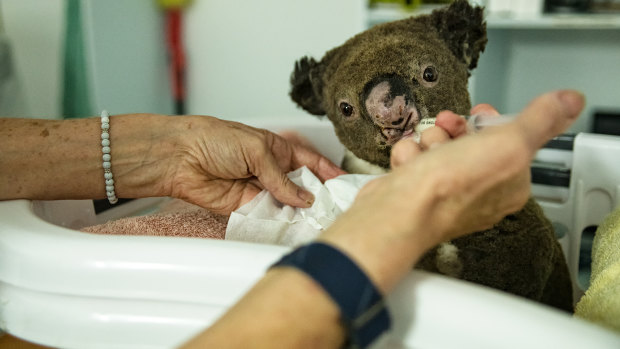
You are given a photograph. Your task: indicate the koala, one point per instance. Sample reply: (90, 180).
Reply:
(380, 84)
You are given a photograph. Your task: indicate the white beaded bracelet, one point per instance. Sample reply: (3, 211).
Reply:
(107, 158)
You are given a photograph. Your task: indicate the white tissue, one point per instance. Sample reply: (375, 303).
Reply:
(266, 220)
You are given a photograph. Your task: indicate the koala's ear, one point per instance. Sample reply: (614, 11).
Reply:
(307, 86)
(464, 30)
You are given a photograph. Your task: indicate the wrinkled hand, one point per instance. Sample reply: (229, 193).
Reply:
(449, 190)
(447, 126)
(478, 179)
(221, 165)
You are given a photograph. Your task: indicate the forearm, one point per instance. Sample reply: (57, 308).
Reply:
(285, 309)
(62, 159)
(288, 309)
(385, 257)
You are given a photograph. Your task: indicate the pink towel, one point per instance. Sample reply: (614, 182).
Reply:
(176, 218)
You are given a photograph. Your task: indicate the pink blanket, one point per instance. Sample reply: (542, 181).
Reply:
(176, 218)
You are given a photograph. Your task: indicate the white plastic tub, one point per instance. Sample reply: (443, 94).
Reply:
(63, 288)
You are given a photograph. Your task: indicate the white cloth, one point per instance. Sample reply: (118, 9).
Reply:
(266, 220)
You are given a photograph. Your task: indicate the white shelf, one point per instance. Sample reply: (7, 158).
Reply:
(393, 12)
(556, 21)
(494, 21)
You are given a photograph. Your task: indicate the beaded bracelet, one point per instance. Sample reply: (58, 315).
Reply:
(107, 158)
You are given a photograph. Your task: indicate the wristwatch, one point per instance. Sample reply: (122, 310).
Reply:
(362, 306)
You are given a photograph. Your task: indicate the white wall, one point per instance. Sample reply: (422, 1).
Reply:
(240, 56)
(35, 29)
(127, 56)
(241, 53)
(520, 64)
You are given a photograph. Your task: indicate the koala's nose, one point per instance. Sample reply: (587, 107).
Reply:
(388, 108)
(397, 112)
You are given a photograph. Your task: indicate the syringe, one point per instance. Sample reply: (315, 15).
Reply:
(475, 122)
(479, 121)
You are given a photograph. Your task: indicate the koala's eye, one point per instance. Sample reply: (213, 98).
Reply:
(430, 74)
(346, 109)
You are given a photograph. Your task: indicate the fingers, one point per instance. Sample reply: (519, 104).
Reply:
(432, 137)
(270, 165)
(549, 115)
(273, 178)
(454, 125)
(321, 166)
(297, 138)
(484, 109)
(406, 149)
(403, 151)
(253, 188)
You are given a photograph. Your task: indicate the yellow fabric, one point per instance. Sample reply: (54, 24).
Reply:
(173, 4)
(601, 302)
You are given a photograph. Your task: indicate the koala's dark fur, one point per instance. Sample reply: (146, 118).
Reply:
(377, 86)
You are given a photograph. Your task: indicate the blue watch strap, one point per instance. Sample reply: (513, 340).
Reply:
(362, 306)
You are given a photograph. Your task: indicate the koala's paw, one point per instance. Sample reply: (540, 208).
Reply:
(447, 260)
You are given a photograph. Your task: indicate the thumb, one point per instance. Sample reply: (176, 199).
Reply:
(549, 115)
(271, 176)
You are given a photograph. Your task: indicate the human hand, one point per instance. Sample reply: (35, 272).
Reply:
(450, 190)
(448, 125)
(221, 165)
